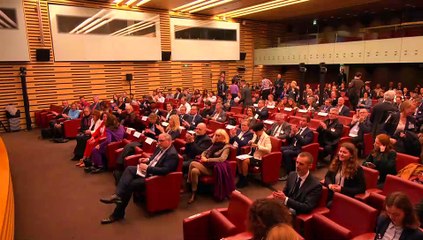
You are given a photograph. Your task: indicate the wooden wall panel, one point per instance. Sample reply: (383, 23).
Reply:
(51, 82)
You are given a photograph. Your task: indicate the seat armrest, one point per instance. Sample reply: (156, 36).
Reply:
(196, 226)
(328, 229)
(365, 236)
(132, 160)
(221, 226)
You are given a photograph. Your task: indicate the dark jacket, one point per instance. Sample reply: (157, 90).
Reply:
(380, 113)
(363, 127)
(262, 114)
(308, 196)
(243, 140)
(407, 233)
(385, 163)
(352, 186)
(345, 111)
(300, 140)
(195, 120)
(200, 144)
(283, 132)
(332, 134)
(166, 164)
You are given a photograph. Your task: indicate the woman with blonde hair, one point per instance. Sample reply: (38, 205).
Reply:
(345, 174)
(174, 127)
(213, 162)
(382, 158)
(282, 231)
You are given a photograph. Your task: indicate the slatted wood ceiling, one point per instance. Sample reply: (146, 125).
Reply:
(51, 82)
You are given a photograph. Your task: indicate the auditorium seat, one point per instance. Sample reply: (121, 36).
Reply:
(405, 159)
(371, 176)
(313, 149)
(270, 167)
(71, 128)
(393, 184)
(368, 144)
(219, 223)
(346, 219)
(214, 125)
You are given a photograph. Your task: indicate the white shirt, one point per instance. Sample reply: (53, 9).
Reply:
(392, 232)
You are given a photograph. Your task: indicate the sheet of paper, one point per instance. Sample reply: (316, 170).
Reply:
(322, 114)
(287, 109)
(144, 118)
(137, 134)
(302, 110)
(165, 124)
(149, 141)
(191, 132)
(243, 156)
(267, 121)
(139, 173)
(230, 127)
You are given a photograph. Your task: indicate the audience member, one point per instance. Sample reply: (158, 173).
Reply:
(245, 95)
(195, 119)
(345, 174)
(151, 129)
(219, 115)
(360, 124)
(299, 137)
(251, 112)
(195, 145)
(325, 108)
(355, 87)
(208, 110)
(365, 101)
(240, 137)
(170, 112)
(163, 161)
(383, 158)
(280, 128)
(342, 109)
(381, 111)
(213, 162)
(265, 214)
(398, 220)
(261, 112)
(302, 190)
(73, 113)
(260, 146)
(282, 231)
(185, 104)
(173, 129)
(278, 85)
(87, 121)
(330, 132)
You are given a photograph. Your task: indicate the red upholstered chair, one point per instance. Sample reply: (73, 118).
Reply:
(179, 145)
(236, 110)
(393, 184)
(270, 167)
(371, 176)
(405, 159)
(303, 219)
(219, 223)
(314, 124)
(313, 149)
(71, 128)
(368, 144)
(42, 117)
(347, 218)
(214, 125)
(249, 235)
(276, 144)
(344, 120)
(295, 120)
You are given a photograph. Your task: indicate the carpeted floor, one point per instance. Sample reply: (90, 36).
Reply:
(56, 200)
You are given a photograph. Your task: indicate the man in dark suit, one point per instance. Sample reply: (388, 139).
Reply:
(299, 137)
(195, 145)
(218, 115)
(184, 118)
(246, 99)
(354, 90)
(96, 104)
(326, 106)
(240, 137)
(419, 111)
(207, 110)
(222, 87)
(178, 94)
(381, 111)
(330, 132)
(302, 191)
(262, 112)
(278, 86)
(280, 128)
(360, 124)
(195, 119)
(163, 161)
(343, 110)
(170, 112)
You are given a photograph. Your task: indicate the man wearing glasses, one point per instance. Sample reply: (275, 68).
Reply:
(163, 161)
(196, 144)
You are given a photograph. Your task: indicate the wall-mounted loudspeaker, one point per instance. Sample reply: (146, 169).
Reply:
(242, 56)
(129, 77)
(42, 55)
(166, 56)
(241, 69)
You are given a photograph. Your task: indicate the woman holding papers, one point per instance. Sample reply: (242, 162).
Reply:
(260, 146)
(213, 162)
(173, 128)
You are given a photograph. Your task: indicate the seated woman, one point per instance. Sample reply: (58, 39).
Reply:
(217, 153)
(173, 129)
(98, 134)
(311, 104)
(345, 174)
(365, 101)
(250, 116)
(270, 102)
(291, 104)
(260, 146)
(114, 133)
(399, 219)
(383, 158)
(264, 214)
(73, 113)
(89, 123)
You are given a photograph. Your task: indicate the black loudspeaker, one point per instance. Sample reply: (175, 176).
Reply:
(166, 56)
(242, 56)
(42, 55)
(129, 77)
(241, 69)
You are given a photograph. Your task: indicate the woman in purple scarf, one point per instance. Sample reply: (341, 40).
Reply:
(114, 133)
(213, 162)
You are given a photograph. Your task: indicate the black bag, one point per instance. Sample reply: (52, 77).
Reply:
(46, 133)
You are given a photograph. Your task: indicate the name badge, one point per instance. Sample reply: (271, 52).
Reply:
(242, 139)
(282, 132)
(256, 116)
(332, 129)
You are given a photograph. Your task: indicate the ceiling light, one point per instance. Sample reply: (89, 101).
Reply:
(142, 2)
(130, 2)
(260, 8)
(200, 5)
(118, 1)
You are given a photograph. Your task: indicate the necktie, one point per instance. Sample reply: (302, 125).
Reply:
(296, 187)
(299, 133)
(277, 129)
(156, 159)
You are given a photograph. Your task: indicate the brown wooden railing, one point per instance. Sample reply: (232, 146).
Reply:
(7, 203)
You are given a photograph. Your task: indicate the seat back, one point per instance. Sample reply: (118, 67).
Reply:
(180, 162)
(214, 125)
(370, 176)
(413, 190)
(236, 110)
(313, 149)
(295, 120)
(149, 148)
(314, 124)
(352, 214)
(405, 159)
(238, 207)
(368, 144)
(276, 144)
(344, 120)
